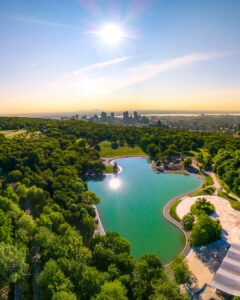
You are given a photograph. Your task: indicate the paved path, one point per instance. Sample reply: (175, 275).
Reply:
(176, 223)
(100, 228)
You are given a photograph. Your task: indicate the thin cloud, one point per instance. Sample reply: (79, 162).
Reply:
(38, 21)
(99, 65)
(85, 84)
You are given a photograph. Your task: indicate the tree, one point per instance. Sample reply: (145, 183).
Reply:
(90, 198)
(147, 271)
(6, 228)
(15, 176)
(63, 295)
(112, 291)
(202, 206)
(180, 269)
(12, 264)
(166, 289)
(52, 280)
(187, 162)
(205, 230)
(187, 222)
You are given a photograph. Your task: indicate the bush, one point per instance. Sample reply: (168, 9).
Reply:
(202, 206)
(15, 176)
(180, 269)
(207, 191)
(187, 222)
(187, 162)
(205, 230)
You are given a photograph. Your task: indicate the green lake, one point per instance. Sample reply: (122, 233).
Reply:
(132, 205)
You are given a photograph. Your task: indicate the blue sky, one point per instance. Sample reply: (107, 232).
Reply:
(175, 54)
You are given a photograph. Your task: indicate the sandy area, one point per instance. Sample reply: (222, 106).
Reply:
(201, 271)
(229, 217)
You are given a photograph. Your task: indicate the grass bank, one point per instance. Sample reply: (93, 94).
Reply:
(234, 203)
(205, 191)
(172, 210)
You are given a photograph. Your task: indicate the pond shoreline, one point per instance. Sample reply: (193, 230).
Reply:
(110, 161)
(167, 216)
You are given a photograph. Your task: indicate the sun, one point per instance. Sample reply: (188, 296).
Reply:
(111, 33)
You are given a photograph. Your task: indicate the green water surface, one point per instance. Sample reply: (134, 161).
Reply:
(134, 209)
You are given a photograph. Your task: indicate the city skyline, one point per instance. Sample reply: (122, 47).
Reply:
(67, 56)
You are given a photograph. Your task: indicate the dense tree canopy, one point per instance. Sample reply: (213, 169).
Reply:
(45, 204)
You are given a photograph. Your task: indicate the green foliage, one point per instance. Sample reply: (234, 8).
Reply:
(63, 295)
(208, 181)
(172, 210)
(109, 169)
(15, 176)
(6, 228)
(12, 264)
(187, 222)
(205, 230)
(52, 170)
(206, 191)
(234, 203)
(165, 290)
(147, 272)
(52, 280)
(187, 162)
(112, 291)
(202, 206)
(180, 269)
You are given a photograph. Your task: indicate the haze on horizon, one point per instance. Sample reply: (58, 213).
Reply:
(60, 56)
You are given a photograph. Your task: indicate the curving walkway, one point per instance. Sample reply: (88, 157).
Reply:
(175, 222)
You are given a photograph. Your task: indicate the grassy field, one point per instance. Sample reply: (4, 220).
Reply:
(172, 210)
(208, 181)
(12, 133)
(107, 151)
(207, 191)
(108, 169)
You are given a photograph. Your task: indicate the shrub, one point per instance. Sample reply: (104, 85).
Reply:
(187, 162)
(202, 206)
(180, 269)
(207, 191)
(205, 230)
(187, 221)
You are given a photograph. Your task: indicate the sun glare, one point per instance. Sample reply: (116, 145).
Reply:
(111, 33)
(115, 183)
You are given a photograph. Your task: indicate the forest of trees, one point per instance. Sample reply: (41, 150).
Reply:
(47, 219)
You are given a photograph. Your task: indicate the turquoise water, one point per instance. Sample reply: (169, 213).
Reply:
(132, 205)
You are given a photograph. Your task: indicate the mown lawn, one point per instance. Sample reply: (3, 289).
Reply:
(121, 151)
(207, 191)
(108, 169)
(172, 210)
(208, 181)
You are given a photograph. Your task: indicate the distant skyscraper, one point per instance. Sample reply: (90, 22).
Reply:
(125, 116)
(77, 117)
(135, 114)
(103, 116)
(112, 115)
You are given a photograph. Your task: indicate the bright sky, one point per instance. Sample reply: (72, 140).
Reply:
(67, 55)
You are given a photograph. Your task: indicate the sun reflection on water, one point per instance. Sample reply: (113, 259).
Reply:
(114, 183)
